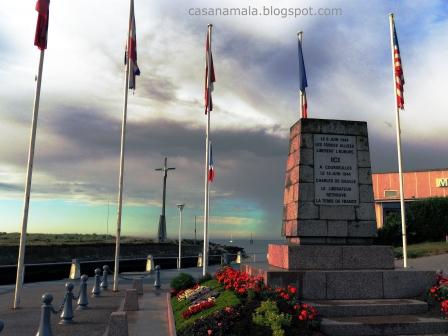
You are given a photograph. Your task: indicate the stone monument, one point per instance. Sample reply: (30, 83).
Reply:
(329, 225)
(328, 212)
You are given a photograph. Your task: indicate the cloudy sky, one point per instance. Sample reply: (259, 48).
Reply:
(348, 64)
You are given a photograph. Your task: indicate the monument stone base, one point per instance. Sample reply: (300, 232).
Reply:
(329, 225)
(330, 257)
(346, 284)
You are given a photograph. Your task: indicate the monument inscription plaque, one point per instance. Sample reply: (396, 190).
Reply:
(335, 170)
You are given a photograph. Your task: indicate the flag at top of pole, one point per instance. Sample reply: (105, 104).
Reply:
(398, 69)
(132, 48)
(302, 79)
(211, 168)
(398, 82)
(40, 39)
(209, 75)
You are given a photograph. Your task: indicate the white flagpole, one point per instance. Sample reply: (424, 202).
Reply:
(207, 158)
(398, 129)
(300, 36)
(123, 141)
(29, 175)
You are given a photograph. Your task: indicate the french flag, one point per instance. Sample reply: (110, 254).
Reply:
(132, 49)
(40, 39)
(211, 168)
(303, 81)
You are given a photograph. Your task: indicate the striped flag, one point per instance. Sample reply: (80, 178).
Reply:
(303, 82)
(132, 48)
(398, 70)
(40, 39)
(209, 76)
(211, 168)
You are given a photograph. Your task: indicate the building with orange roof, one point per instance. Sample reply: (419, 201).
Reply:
(418, 184)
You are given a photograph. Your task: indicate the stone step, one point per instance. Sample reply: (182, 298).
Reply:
(384, 325)
(338, 308)
(347, 284)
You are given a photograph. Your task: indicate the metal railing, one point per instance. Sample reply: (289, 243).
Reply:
(121, 259)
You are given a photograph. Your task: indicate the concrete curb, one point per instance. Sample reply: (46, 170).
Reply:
(171, 324)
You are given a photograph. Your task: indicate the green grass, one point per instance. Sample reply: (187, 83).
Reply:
(225, 299)
(423, 249)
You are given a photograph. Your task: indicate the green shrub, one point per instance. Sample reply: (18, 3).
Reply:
(269, 315)
(426, 221)
(182, 281)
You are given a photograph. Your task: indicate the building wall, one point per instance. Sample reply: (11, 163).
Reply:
(417, 185)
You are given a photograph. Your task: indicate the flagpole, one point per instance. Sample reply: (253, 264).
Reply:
(207, 148)
(398, 129)
(120, 180)
(29, 175)
(300, 37)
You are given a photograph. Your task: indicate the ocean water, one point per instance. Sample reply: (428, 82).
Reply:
(258, 249)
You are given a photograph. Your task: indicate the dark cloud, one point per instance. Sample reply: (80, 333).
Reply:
(10, 187)
(157, 87)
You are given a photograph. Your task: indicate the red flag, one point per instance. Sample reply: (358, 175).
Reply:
(209, 76)
(132, 48)
(40, 39)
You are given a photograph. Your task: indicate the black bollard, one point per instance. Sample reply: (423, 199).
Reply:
(1, 326)
(45, 315)
(83, 300)
(96, 291)
(104, 284)
(67, 312)
(157, 281)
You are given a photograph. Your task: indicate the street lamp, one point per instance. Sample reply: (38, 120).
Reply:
(179, 260)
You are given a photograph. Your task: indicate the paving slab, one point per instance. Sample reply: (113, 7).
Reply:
(92, 322)
(152, 317)
(25, 320)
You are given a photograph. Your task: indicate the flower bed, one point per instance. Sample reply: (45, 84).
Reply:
(198, 307)
(238, 304)
(439, 293)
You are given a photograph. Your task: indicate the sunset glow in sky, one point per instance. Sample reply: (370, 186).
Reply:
(348, 63)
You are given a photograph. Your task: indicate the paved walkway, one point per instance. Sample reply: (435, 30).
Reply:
(437, 262)
(152, 315)
(25, 321)
(152, 319)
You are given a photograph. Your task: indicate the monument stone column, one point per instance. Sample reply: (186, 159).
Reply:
(329, 221)
(328, 208)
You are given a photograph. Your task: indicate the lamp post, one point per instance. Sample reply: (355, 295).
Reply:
(179, 260)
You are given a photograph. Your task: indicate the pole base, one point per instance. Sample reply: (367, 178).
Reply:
(65, 322)
(82, 308)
